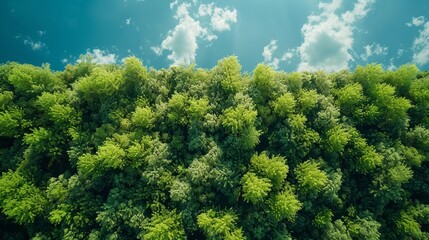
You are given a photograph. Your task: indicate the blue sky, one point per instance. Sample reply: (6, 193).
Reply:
(289, 35)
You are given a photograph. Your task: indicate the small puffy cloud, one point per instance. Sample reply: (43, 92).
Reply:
(174, 3)
(288, 55)
(205, 9)
(101, 57)
(328, 37)
(399, 53)
(392, 66)
(222, 19)
(64, 61)
(360, 10)
(41, 33)
(157, 50)
(271, 57)
(128, 21)
(373, 50)
(421, 46)
(182, 11)
(269, 50)
(416, 21)
(34, 45)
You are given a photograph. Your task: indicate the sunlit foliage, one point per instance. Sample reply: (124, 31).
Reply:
(130, 152)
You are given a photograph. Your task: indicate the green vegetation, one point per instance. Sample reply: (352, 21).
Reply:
(126, 152)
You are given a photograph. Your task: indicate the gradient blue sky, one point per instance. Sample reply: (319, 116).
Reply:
(289, 35)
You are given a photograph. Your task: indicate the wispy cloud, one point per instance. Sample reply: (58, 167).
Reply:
(416, 21)
(42, 33)
(421, 46)
(273, 58)
(157, 50)
(374, 49)
(34, 45)
(289, 55)
(268, 52)
(328, 37)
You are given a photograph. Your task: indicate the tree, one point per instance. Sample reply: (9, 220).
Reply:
(167, 226)
(255, 189)
(19, 199)
(102, 151)
(218, 225)
(284, 205)
(310, 177)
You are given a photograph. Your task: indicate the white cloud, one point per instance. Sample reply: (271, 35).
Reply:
(374, 50)
(330, 7)
(41, 33)
(416, 21)
(360, 10)
(392, 66)
(34, 45)
(157, 50)
(205, 10)
(399, 53)
(268, 52)
(421, 46)
(64, 61)
(128, 21)
(182, 11)
(271, 57)
(174, 3)
(288, 55)
(222, 19)
(101, 57)
(182, 41)
(328, 37)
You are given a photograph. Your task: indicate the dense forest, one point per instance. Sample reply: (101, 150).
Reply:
(127, 152)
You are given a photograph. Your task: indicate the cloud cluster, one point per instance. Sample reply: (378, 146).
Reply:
(421, 43)
(222, 19)
(272, 58)
(182, 41)
(34, 45)
(416, 21)
(328, 37)
(100, 57)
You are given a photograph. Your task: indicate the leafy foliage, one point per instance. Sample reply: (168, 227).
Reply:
(127, 152)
